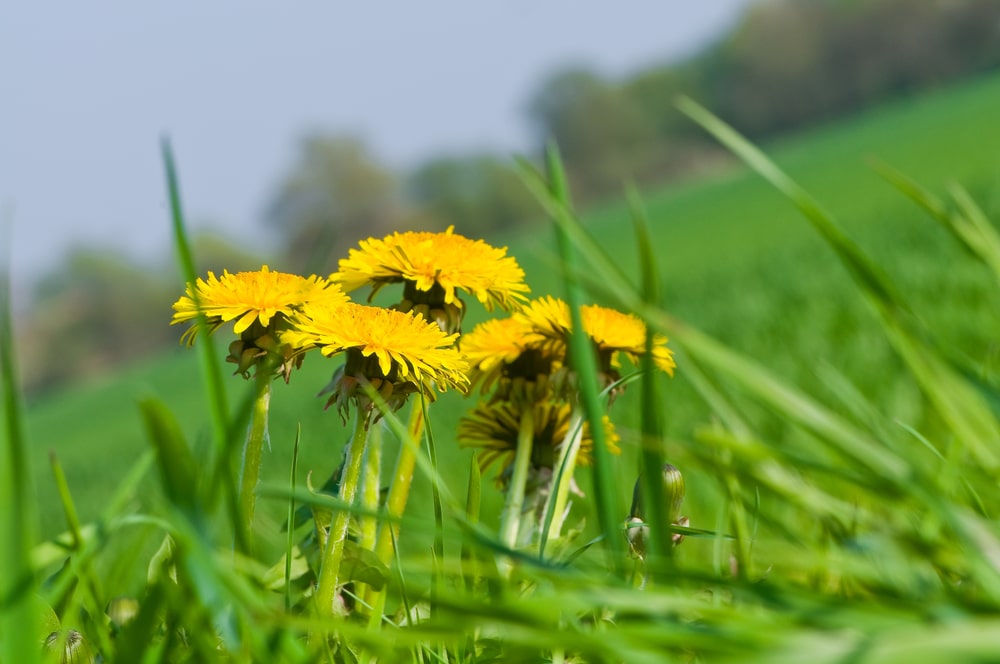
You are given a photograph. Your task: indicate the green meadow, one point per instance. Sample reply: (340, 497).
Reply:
(738, 262)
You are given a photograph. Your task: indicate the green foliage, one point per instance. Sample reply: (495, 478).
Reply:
(833, 416)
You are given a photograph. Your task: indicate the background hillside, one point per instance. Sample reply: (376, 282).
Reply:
(783, 66)
(737, 262)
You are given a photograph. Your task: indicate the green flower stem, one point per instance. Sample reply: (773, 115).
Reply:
(334, 552)
(395, 505)
(555, 508)
(253, 450)
(399, 489)
(371, 488)
(510, 518)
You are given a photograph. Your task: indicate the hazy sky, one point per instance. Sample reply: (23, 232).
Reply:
(88, 88)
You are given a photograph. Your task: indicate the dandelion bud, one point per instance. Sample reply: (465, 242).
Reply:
(75, 649)
(673, 484)
(440, 317)
(673, 493)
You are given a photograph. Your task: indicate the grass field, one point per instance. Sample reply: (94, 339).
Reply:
(737, 260)
(739, 263)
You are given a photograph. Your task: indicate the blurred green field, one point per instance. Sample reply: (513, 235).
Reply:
(737, 261)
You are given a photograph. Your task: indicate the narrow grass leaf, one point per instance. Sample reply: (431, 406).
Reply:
(978, 232)
(609, 512)
(290, 540)
(176, 465)
(211, 370)
(869, 276)
(653, 455)
(792, 404)
(18, 526)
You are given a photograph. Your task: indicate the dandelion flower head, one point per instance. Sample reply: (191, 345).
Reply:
(611, 331)
(446, 260)
(251, 297)
(493, 428)
(390, 347)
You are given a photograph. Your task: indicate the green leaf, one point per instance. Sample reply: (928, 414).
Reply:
(178, 471)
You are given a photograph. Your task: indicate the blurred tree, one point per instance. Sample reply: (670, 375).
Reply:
(599, 128)
(336, 194)
(680, 148)
(789, 63)
(476, 193)
(771, 73)
(214, 251)
(97, 311)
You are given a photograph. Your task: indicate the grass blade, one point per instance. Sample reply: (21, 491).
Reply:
(653, 455)
(211, 370)
(610, 513)
(965, 411)
(18, 525)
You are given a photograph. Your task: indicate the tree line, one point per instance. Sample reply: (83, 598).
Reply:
(785, 65)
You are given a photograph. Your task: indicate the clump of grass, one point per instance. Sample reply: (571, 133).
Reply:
(859, 538)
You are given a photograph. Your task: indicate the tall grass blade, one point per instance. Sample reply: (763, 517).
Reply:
(610, 514)
(210, 365)
(794, 406)
(174, 460)
(965, 411)
(978, 232)
(867, 273)
(438, 579)
(653, 455)
(473, 503)
(18, 525)
(968, 224)
(290, 541)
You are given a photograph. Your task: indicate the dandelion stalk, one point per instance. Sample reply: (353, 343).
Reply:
(253, 450)
(555, 506)
(329, 575)
(395, 504)
(371, 489)
(399, 489)
(510, 519)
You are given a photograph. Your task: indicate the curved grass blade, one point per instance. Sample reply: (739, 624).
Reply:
(18, 526)
(210, 364)
(968, 416)
(554, 197)
(653, 455)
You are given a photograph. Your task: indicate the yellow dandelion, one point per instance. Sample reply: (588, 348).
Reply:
(503, 348)
(611, 331)
(396, 353)
(493, 428)
(252, 297)
(431, 261)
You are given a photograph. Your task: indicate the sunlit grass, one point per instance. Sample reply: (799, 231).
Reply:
(840, 448)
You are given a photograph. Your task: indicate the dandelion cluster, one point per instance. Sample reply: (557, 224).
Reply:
(529, 420)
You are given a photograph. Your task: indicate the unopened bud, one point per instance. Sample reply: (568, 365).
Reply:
(673, 485)
(74, 648)
(673, 494)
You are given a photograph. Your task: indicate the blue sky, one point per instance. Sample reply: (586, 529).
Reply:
(88, 89)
